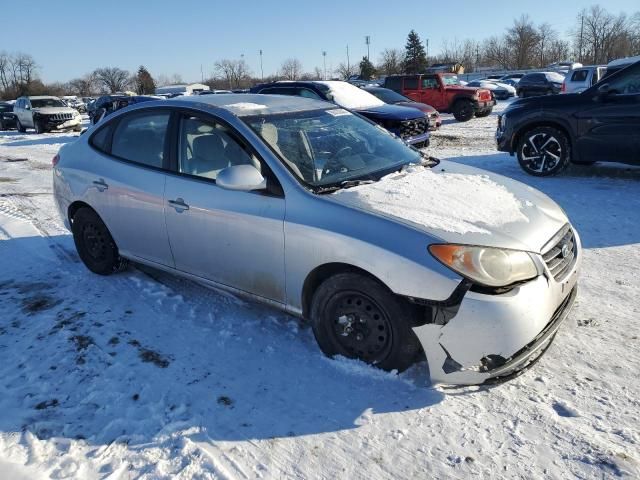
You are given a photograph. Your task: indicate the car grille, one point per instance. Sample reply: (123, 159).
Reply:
(61, 116)
(412, 128)
(562, 253)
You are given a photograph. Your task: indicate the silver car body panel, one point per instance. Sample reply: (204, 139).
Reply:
(284, 240)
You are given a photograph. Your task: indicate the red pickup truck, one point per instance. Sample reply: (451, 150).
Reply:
(444, 92)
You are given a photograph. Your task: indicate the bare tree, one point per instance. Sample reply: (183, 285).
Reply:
(112, 79)
(601, 36)
(546, 36)
(496, 53)
(84, 86)
(344, 72)
(523, 41)
(5, 60)
(233, 71)
(390, 61)
(291, 69)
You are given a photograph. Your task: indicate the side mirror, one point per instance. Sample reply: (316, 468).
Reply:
(241, 177)
(27, 107)
(604, 91)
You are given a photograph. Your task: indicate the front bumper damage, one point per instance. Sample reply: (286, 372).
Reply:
(494, 337)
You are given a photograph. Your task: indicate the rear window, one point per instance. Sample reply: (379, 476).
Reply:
(579, 76)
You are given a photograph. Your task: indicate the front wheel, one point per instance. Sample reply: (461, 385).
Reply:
(463, 110)
(19, 126)
(38, 126)
(94, 243)
(543, 151)
(355, 316)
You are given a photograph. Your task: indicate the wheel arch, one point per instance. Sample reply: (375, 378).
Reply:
(77, 205)
(319, 274)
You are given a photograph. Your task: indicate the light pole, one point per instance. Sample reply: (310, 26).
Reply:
(367, 40)
(261, 70)
(324, 61)
(348, 66)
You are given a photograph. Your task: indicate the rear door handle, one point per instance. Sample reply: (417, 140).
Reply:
(179, 205)
(101, 185)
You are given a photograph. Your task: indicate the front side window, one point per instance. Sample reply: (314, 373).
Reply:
(306, 93)
(450, 80)
(411, 83)
(100, 139)
(429, 82)
(324, 147)
(206, 148)
(140, 138)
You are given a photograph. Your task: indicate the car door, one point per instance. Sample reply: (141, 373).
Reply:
(432, 94)
(609, 128)
(411, 88)
(126, 181)
(234, 238)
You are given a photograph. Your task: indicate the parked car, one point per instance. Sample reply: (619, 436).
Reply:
(394, 98)
(409, 124)
(298, 203)
(582, 78)
(75, 102)
(540, 83)
(599, 124)
(501, 91)
(512, 76)
(213, 92)
(7, 117)
(108, 104)
(44, 114)
(444, 92)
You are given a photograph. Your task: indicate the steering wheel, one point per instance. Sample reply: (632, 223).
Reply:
(334, 163)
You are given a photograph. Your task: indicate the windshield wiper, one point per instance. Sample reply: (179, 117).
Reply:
(342, 185)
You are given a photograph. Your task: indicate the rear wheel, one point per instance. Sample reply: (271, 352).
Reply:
(357, 317)
(94, 243)
(543, 151)
(463, 110)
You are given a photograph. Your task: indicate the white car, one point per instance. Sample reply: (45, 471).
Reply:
(501, 91)
(45, 114)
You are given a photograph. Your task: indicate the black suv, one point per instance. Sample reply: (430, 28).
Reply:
(600, 124)
(542, 83)
(410, 124)
(7, 118)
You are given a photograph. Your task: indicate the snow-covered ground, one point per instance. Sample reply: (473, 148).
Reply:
(143, 375)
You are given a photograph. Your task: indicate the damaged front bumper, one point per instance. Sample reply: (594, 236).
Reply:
(493, 337)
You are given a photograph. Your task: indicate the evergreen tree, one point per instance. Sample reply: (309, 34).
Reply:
(367, 70)
(145, 85)
(415, 58)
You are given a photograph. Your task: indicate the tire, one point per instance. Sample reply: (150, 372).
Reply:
(463, 110)
(94, 243)
(484, 113)
(38, 127)
(543, 151)
(2, 127)
(357, 317)
(19, 126)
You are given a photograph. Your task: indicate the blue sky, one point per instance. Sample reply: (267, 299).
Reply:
(69, 38)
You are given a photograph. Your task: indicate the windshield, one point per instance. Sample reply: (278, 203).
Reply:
(389, 96)
(46, 102)
(450, 80)
(325, 147)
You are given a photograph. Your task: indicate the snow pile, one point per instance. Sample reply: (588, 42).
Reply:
(245, 106)
(451, 202)
(351, 97)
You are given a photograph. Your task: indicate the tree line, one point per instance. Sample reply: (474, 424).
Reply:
(596, 37)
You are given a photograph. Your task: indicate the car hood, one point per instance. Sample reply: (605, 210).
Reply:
(553, 101)
(391, 112)
(53, 110)
(423, 107)
(456, 203)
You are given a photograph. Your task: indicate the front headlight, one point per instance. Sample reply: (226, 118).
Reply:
(488, 266)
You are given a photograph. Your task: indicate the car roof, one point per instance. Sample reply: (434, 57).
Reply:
(624, 61)
(40, 97)
(244, 104)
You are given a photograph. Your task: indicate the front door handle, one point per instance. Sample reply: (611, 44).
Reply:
(101, 185)
(179, 205)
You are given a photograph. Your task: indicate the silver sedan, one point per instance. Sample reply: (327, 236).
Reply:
(392, 256)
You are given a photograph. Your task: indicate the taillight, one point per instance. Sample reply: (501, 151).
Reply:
(563, 88)
(55, 160)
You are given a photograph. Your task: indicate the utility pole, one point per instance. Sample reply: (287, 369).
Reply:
(426, 41)
(261, 70)
(348, 66)
(201, 73)
(367, 40)
(324, 61)
(581, 32)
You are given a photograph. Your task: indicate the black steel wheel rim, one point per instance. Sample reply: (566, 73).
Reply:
(94, 241)
(359, 326)
(541, 152)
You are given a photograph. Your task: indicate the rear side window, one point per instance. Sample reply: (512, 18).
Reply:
(306, 93)
(100, 139)
(411, 83)
(140, 138)
(579, 76)
(279, 91)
